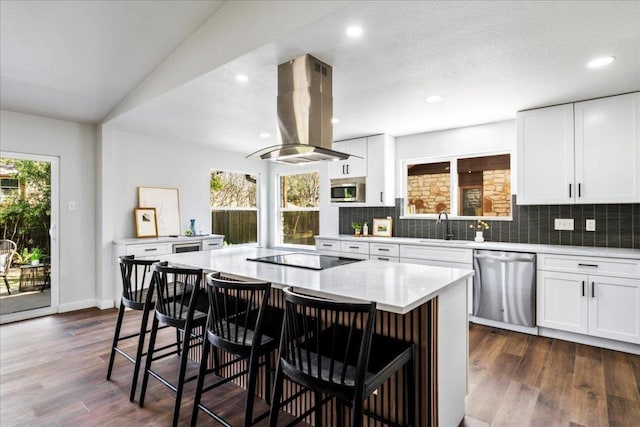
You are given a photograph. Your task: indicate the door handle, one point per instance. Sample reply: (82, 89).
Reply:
(569, 190)
(583, 288)
(593, 289)
(579, 190)
(381, 197)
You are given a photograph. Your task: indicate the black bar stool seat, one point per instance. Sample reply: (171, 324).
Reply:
(137, 294)
(242, 324)
(343, 360)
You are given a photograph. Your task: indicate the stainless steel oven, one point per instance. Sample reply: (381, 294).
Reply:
(186, 247)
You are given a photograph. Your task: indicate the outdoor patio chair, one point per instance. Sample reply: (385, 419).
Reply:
(7, 250)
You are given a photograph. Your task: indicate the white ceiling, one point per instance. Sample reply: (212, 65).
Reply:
(77, 60)
(488, 60)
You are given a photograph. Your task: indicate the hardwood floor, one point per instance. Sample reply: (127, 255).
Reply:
(52, 372)
(522, 380)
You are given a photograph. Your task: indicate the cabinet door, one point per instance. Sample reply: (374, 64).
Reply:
(614, 308)
(608, 149)
(545, 156)
(562, 301)
(381, 166)
(353, 166)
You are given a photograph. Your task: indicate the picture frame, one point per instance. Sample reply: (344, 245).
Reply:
(382, 227)
(167, 205)
(146, 222)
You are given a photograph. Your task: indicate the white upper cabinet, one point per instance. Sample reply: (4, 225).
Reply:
(354, 166)
(381, 166)
(608, 149)
(376, 162)
(545, 155)
(587, 152)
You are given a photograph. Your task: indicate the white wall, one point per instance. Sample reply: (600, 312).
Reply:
(490, 137)
(75, 145)
(130, 160)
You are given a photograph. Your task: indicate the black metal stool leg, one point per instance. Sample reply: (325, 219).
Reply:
(201, 374)
(116, 337)
(139, 352)
(276, 396)
(147, 365)
(184, 355)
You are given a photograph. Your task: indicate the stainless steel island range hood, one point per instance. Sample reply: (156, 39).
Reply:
(305, 109)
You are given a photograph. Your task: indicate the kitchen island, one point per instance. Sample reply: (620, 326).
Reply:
(423, 304)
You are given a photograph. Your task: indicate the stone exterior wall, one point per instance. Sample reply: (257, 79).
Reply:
(430, 193)
(496, 185)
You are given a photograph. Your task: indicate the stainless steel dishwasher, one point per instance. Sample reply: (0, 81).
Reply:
(504, 287)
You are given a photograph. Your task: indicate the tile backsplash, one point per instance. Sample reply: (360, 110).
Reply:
(617, 225)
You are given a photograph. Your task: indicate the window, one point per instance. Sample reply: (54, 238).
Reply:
(464, 186)
(299, 208)
(234, 207)
(8, 187)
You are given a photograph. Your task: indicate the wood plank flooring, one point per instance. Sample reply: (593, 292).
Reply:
(52, 373)
(522, 380)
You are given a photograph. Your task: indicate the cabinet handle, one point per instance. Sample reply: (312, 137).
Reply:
(383, 258)
(583, 288)
(213, 244)
(381, 196)
(579, 190)
(383, 249)
(588, 265)
(569, 190)
(327, 245)
(593, 289)
(347, 169)
(151, 249)
(354, 247)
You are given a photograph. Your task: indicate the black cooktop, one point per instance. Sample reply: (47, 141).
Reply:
(310, 261)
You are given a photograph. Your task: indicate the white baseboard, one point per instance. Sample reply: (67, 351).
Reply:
(104, 304)
(588, 340)
(77, 305)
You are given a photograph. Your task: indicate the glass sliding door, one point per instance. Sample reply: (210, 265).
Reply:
(28, 218)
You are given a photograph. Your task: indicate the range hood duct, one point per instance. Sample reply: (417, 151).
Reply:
(305, 109)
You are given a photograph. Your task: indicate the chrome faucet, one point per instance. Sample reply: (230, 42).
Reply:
(449, 234)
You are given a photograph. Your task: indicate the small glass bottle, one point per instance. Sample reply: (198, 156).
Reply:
(365, 229)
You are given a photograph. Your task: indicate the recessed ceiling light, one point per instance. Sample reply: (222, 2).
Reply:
(242, 78)
(335, 120)
(601, 62)
(265, 135)
(434, 98)
(354, 31)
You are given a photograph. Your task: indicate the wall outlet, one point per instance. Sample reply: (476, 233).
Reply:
(564, 224)
(590, 225)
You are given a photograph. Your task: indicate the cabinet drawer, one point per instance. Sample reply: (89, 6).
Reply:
(355, 247)
(437, 253)
(150, 249)
(385, 249)
(618, 267)
(328, 245)
(209, 244)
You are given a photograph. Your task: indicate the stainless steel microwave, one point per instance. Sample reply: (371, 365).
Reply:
(348, 192)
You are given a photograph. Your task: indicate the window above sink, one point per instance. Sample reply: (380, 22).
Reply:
(469, 186)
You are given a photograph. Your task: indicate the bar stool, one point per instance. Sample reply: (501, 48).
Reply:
(178, 290)
(345, 360)
(242, 324)
(137, 294)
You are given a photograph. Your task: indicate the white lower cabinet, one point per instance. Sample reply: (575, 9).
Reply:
(597, 305)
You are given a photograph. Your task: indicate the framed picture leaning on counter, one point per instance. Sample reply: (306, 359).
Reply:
(382, 227)
(146, 223)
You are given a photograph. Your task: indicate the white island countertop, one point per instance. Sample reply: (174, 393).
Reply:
(395, 287)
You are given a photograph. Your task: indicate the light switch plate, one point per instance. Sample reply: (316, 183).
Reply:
(590, 225)
(564, 224)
